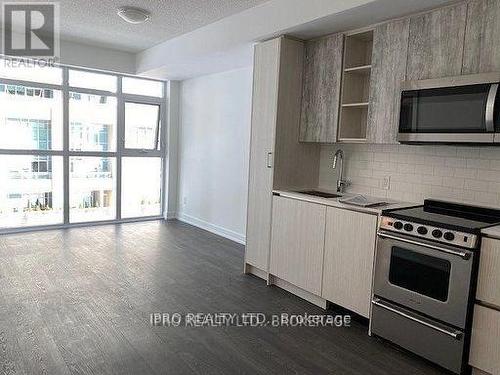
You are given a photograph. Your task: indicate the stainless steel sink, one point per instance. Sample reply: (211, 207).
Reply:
(321, 194)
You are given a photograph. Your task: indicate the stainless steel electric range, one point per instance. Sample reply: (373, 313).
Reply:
(425, 279)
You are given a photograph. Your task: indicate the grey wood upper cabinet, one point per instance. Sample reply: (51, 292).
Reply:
(482, 37)
(321, 89)
(436, 43)
(390, 50)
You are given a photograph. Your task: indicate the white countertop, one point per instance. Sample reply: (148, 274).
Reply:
(492, 232)
(334, 202)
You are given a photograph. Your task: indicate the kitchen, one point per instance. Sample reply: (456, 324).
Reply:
(250, 187)
(411, 104)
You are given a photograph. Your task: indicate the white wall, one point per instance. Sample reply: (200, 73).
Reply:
(172, 159)
(78, 54)
(213, 151)
(94, 57)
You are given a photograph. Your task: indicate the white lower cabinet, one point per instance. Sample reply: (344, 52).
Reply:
(326, 251)
(485, 343)
(488, 287)
(297, 239)
(348, 263)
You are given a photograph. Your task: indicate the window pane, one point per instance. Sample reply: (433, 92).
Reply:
(142, 87)
(92, 120)
(13, 69)
(88, 80)
(92, 189)
(142, 126)
(31, 190)
(30, 118)
(141, 187)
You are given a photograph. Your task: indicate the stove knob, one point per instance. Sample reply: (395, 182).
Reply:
(398, 225)
(449, 236)
(422, 230)
(408, 227)
(436, 233)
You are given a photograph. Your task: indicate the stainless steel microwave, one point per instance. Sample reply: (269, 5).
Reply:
(464, 109)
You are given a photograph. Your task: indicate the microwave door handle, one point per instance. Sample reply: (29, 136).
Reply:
(490, 108)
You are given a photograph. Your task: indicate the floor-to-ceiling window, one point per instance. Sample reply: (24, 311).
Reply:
(78, 146)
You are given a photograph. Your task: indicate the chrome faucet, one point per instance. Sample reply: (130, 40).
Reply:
(341, 183)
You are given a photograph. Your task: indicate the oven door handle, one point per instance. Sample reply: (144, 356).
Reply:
(463, 254)
(457, 335)
(490, 108)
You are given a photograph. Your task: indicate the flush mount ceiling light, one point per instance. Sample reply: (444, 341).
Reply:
(133, 15)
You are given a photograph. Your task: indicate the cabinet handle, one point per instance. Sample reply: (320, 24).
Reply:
(269, 159)
(466, 255)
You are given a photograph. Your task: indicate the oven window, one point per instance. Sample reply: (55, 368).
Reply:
(420, 273)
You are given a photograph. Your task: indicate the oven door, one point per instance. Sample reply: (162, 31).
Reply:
(421, 275)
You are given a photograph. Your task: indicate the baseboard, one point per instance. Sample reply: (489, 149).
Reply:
(229, 234)
(171, 215)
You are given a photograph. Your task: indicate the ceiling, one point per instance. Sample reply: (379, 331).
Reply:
(95, 21)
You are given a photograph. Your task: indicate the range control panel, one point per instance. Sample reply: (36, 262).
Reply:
(429, 232)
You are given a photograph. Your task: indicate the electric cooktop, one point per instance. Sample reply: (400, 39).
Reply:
(448, 215)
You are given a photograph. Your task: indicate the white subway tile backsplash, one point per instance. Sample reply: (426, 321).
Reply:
(488, 175)
(465, 174)
(495, 164)
(494, 187)
(435, 160)
(455, 162)
(453, 182)
(468, 152)
(489, 153)
(485, 197)
(476, 185)
(445, 171)
(478, 163)
(424, 169)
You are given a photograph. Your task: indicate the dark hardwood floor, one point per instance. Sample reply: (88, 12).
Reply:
(78, 301)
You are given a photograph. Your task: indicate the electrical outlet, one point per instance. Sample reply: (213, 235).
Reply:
(386, 183)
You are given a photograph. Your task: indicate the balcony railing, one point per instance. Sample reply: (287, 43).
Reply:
(24, 175)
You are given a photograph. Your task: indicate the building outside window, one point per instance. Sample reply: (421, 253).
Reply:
(32, 188)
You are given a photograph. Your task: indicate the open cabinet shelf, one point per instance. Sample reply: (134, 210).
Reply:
(355, 87)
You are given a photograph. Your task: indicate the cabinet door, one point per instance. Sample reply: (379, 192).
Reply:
(436, 43)
(260, 185)
(298, 234)
(321, 89)
(390, 51)
(485, 342)
(488, 287)
(348, 263)
(482, 41)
